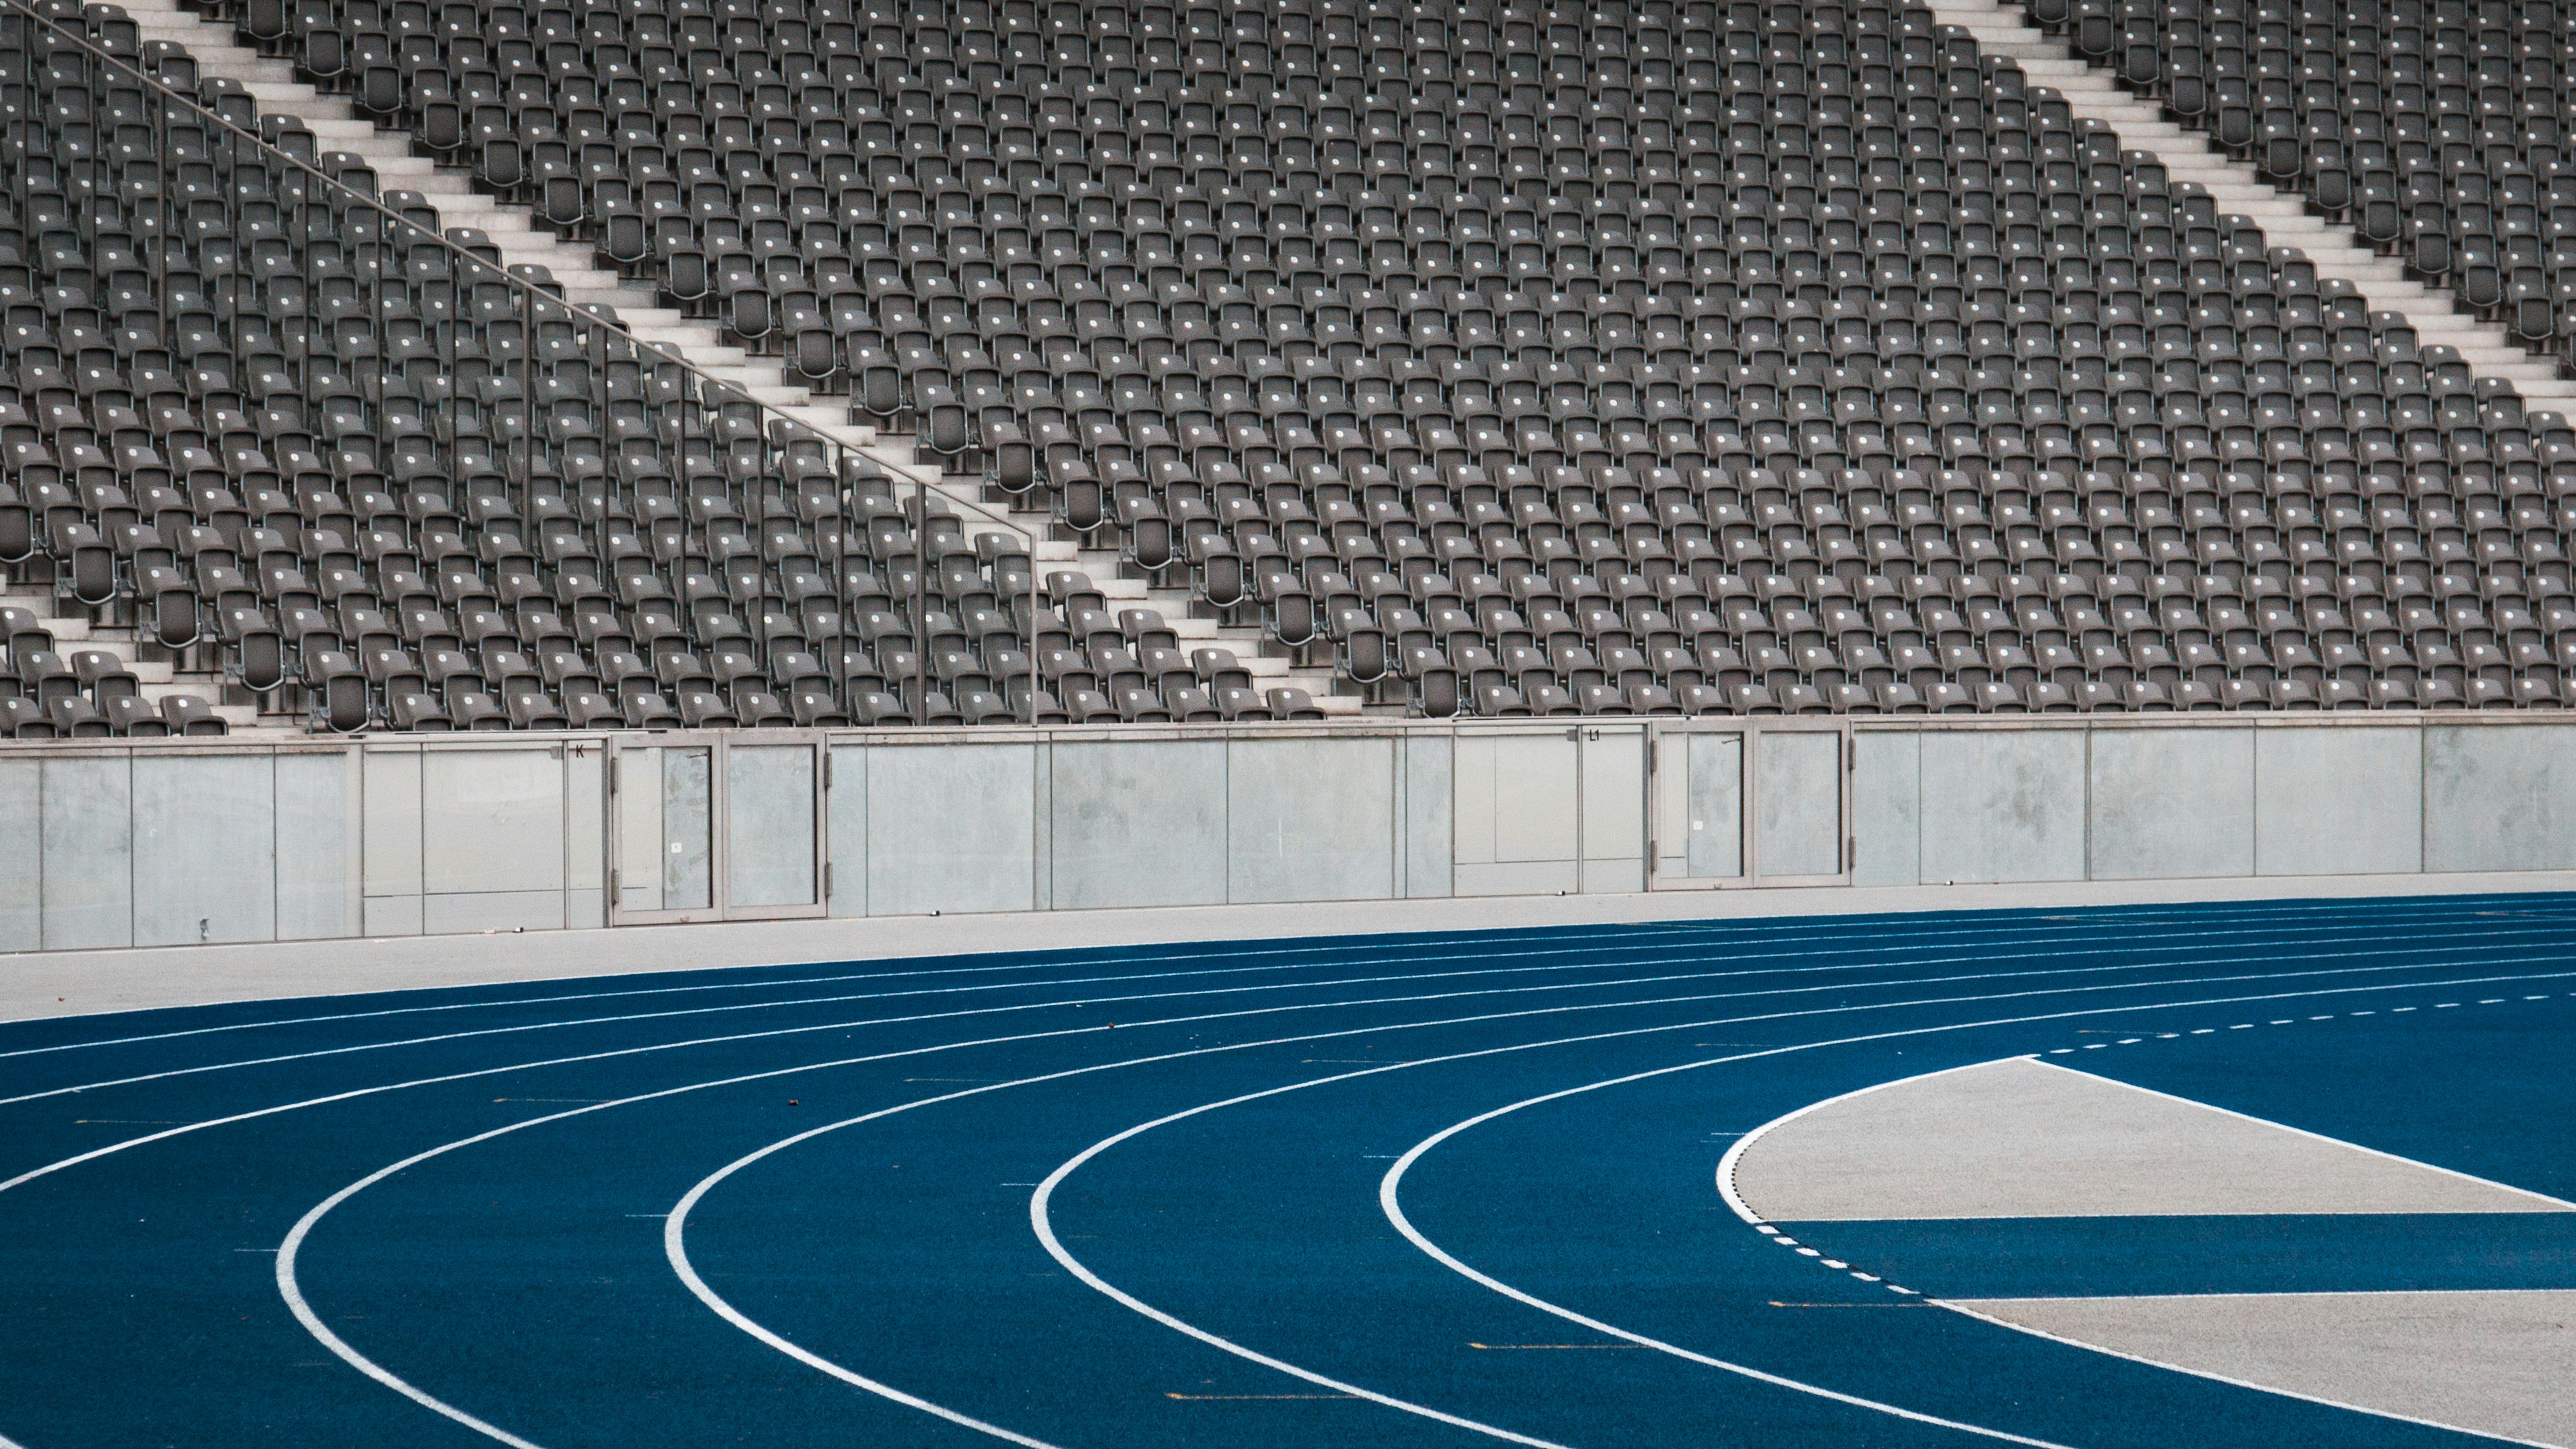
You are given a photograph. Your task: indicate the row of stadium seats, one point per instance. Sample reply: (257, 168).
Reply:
(1676, 356)
(2440, 129)
(266, 420)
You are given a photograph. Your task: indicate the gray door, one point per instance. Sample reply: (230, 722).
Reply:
(711, 827)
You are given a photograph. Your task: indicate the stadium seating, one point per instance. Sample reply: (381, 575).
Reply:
(2437, 128)
(1627, 358)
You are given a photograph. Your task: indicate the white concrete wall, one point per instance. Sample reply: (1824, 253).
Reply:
(487, 836)
(1798, 787)
(205, 837)
(2499, 799)
(1613, 789)
(1429, 791)
(87, 825)
(2346, 801)
(2170, 804)
(136, 845)
(22, 854)
(1887, 808)
(1518, 807)
(2002, 805)
(319, 887)
(772, 794)
(948, 828)
(1138, 823)
(1311, 819)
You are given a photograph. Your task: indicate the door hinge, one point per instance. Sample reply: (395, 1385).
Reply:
(827, 882)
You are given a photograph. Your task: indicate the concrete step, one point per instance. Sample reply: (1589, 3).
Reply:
(2187, 156)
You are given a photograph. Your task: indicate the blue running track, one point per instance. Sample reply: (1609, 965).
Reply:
(1326, 1194)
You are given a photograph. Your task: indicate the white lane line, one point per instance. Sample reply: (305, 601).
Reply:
(1389, 1191)
(1967, 1312)
(1663, 945)
(2284, 1021)
(1041, 1224)
(109, 1149)
(253, 1114)
(2319, 1136)
(1767, 935)
(290, 1288)
(1389, 1187)
(1068, 1002)
(675, 1226)
(1979, 957)
(1735, 1154)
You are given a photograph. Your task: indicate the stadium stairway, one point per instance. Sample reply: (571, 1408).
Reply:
(1110, 575)
(157, 673)
(523, 241)
(2189, 156)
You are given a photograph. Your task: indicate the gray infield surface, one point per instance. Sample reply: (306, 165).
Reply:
(2494, 1363)
(2017, 1139)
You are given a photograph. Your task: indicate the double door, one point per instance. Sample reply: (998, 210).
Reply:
(1750, 802)
(716, 826)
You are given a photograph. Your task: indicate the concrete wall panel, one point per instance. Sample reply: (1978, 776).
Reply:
(1887, 808)
(845, 825)
(89, 851)
(687, 848)
(317, 871)
(635, 841)
(949, 828)
(22, 854)
(1139, 823)
(2003, 805)
(492, 911)
(1310, 819)
(585, 818)
(1517, 799)
(2499, 797)
(2172, 804)
(492, 820)
(1798, 791)
(205, 848)
(1614, 808)
(389, 789)
(1520, 878)
(769, 828)
(389, 916)
(1430, 765)
(2339, 801)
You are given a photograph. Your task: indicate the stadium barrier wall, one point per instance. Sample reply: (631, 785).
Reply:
(130, 844)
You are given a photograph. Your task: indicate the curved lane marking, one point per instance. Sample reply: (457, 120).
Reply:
(1389, 1190)
(2215, 1377)
(1735, 1154)
(1675, 933)
(1984, 957)
(675, 1226)
(290, 1288)
(1041, 1224)
(2315, 1136)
